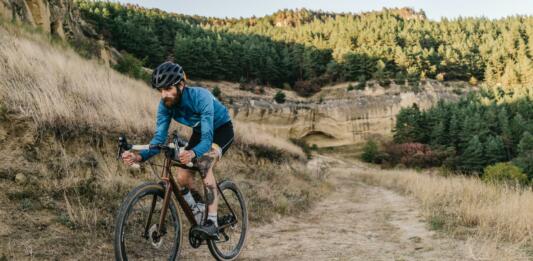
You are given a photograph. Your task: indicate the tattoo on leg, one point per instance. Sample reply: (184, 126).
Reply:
(206, 162)
(210, 195)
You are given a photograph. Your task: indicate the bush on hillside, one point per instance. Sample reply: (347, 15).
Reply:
(370, 151)
(303, 145)
(413, 155)
(132, 67)
(504, 173)
(306, 88)
(279, 97)
(216, 92)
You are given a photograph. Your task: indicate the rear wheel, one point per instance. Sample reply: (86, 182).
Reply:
(136, 235)
(233, 227)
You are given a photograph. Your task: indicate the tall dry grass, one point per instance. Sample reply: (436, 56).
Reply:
(465, 206)
(252, 133)
(56, 87)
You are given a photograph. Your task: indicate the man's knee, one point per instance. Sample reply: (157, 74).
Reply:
(207, 161)
(184, 177)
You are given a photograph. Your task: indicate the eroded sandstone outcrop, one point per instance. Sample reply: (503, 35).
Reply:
(60, 18)
(345, 119)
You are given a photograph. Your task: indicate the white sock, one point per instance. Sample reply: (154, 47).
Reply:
(187, 195)
(213, 218)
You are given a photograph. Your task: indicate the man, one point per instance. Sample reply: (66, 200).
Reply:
(212, 135)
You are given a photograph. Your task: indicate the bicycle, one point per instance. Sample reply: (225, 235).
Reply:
(137, 237)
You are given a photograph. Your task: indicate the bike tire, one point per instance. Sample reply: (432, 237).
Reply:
(229, 186)
(157, 190)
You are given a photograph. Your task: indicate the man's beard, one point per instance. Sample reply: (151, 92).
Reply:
(171, 102)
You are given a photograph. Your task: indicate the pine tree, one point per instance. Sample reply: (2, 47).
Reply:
(472, 159)
(506, 133)
(525, 154)
(407, 127)
(494, 150)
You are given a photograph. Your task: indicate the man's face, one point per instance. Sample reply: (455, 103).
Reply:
(170, 96)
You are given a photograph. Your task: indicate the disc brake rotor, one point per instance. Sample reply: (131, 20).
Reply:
(154, 237)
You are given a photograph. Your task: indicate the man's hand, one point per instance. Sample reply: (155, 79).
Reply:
(186, 156)
(130, 158)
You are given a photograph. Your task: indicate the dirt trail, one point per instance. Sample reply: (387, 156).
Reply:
(356, 222)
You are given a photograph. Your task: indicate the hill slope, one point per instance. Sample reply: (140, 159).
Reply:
(60, 183)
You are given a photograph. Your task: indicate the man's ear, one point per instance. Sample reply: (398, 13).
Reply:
(181, 85)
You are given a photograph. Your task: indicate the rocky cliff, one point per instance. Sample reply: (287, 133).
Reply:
(62, 19)
(335, 116)
(57, 17)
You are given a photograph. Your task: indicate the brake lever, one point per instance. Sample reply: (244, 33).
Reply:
(123, 146)
(121, 141)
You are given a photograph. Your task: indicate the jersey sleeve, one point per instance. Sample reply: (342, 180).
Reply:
(161, 132)
(204, 106)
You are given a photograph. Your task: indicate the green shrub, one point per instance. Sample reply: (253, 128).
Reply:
(132, 67)
(370, 150)
(216, 92)
(361, 83)
(302, 144)
(84, 47)
(279, 97)
(385, 82)
(504, 173)
(400, 78)
(350, 87)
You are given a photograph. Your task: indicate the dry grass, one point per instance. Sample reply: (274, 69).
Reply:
(251, 133)
(465, 206)
(59, 89)
(79, 214)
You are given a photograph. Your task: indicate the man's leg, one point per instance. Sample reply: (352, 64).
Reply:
(205, 165)
(185, 178)
(212, 197)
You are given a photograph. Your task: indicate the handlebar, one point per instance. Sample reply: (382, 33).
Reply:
(123, 145)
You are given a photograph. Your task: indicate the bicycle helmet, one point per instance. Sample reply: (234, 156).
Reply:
(167, 74)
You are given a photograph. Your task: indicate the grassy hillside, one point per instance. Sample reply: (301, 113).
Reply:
(466, 207)
(60, 184)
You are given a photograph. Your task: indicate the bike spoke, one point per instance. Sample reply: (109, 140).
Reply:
(137, 245)
(233, 211)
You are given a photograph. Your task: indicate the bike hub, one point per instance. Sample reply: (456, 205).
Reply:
(155, 237)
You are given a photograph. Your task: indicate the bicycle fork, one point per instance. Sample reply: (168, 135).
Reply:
(166, 198)
(170, 186)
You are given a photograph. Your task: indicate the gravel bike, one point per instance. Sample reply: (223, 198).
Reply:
(148, 225)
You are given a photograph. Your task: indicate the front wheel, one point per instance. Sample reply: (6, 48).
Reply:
(233, 224)
(136, 236)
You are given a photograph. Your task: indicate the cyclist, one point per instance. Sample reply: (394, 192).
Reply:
(212, 135)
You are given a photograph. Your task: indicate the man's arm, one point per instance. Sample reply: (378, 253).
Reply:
(204, 104)
(161, 132)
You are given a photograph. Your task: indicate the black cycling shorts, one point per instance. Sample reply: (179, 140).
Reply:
(222, 136)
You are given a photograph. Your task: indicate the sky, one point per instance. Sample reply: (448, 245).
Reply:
(434, 9)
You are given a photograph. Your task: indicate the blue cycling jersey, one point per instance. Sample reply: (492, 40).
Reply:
(199, 109)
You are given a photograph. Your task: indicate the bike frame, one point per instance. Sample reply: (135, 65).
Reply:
(172, 187)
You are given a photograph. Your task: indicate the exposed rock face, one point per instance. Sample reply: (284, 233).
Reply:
(57, 17)
(337, 121)
(6, 10)
(40, 13)
(60, 18)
